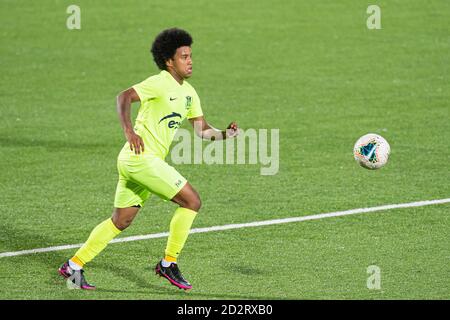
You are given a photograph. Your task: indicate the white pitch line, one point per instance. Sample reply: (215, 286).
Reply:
(242, 225)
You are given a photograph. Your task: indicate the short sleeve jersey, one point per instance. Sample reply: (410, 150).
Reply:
(164, 105)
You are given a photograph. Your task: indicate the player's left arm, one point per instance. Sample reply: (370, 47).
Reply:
(205, 131)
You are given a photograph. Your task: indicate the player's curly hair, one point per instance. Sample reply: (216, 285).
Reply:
(166, 44)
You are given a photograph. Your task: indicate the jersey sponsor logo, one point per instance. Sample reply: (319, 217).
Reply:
(172, 123)
(171, 99)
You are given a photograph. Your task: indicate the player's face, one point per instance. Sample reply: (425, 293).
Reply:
(182, 62)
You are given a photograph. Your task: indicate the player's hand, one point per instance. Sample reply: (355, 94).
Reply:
(135, 141)
(232, 130)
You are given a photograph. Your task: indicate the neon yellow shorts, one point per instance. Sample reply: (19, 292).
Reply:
(139, 177)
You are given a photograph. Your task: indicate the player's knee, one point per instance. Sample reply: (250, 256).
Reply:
(122, 224)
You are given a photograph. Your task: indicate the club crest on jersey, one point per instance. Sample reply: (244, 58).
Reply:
(172, 123)
(188, 102)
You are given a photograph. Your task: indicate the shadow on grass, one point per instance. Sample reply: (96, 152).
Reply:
(43, 265)
(19, 239)
(55, 144)
(246, 270)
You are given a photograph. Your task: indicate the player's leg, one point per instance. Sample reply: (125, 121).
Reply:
(163, 180)
(129, 198)
(99, 238)
(180, 225)
(102, 234)
(188, 198)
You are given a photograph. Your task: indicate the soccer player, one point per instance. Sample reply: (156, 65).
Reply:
(166, 100)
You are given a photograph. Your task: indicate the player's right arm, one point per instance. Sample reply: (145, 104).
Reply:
(124, 100)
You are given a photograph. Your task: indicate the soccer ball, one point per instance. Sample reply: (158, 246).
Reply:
(371, 151)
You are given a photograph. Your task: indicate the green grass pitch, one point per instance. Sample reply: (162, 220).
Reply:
(312, 69)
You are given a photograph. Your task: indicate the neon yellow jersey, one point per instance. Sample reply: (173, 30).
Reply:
(164, 105)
